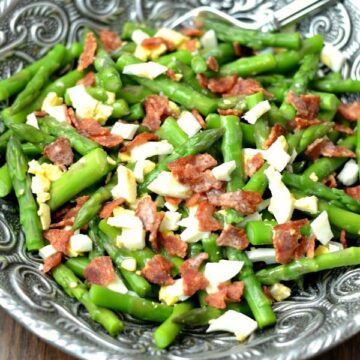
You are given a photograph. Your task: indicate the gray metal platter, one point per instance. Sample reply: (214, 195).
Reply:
(324, 313)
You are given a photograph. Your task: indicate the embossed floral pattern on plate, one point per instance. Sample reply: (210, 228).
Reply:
(326, 312)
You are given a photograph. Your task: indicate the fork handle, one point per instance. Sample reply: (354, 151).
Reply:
(296, 10)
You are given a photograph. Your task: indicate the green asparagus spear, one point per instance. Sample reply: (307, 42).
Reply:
(337, 85)
(172, 132)
(5, 181)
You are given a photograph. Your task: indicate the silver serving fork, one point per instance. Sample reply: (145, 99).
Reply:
(272, 20)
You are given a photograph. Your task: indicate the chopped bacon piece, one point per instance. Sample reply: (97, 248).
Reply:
(173, 201)
(227, 293)
(153, 43)
(229, 112)
(100, 271)
(350, 112)
(70, 116)
(139, 140)
(243, 201)
(199, 118)
(276, 131)
(222, 84)
(191, 45)
(151, 219)
(52, 262)
(110, 40)
(237, 48)
(286, 238)
(343, 238)
(212, 63)
(190, 170)
(267, 292)
(325, 147)
(87, 80)
(193, 279)
(310, 252)
(59, 152)
(344, 129)
(306, 246)
(204, 214)
(94, 131)
(109, 207)
(307, 106)
(354, 192)
(157, 271)
(301, 123)
(330, 181)
(156, 109)
(234, 237)
(195, 199)
(88, 55)
(244, 87)
(59, 239)
(40, 113)
(170, 73)
(203, 80)
(253, 164)
(192, 32)
(173, 245)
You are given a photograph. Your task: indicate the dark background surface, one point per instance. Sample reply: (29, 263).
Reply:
(16, 343)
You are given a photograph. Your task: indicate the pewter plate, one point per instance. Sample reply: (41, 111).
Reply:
(325, 313)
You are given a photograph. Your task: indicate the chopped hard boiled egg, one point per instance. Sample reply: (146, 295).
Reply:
(223, 172)
(167, 185)
(280, 292)
(257, 111)
(45, 215)
(129, 264)
(209, 40)
(80, 243)
(150, 149)
(131, 238)
(118, 286)
(235, 322)
(308, 204)
(276, 155)
(175, 37)
(143, 167)
(127, 131)
(124, 218)
(332, 57)
(47, 251)
(174, 293)
(349, 174)
(53, 105)
(192, 233)
(149, 70)
(321, 228)
(138, 36)
(220, 272)
(266, 255)
(170, 221)
(31, 120)
(188, 123)
(126, 186)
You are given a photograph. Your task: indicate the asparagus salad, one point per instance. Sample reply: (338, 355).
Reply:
(184, 177)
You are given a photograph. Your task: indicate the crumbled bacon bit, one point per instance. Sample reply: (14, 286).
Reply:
(325, 147)
(173, 245)
(156, 109)
(110, 40)
(227, 293)
(59, 152)
(253, 164)
(87, 80)
(40, 113)
(170, 73)
(109, 207)
(157, 271)
(59, 239)
(306, 246)
(203, 80)
(195, 199)
(192, 170)
(343, 238)
(301, 123)
(139, 140)
(192, 32)
(354, 192)
(344, 129)
(191, 45)
(153, 43)
(286, 238)
(307, 106)
(52, 262)
(225, 112)
(350, 112)
(70, 116)
(244, 87)
(276, 131)
(234, 237)
(204, 214)
(88, 55)
(199, 118)
(100, 271)
(212, 63)
(310, 251)
(243, 201)
(151, 219)
(267, 293)
(222, 84)
(330, 181)
(173, 201)
(193, 279)
(94, 131)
